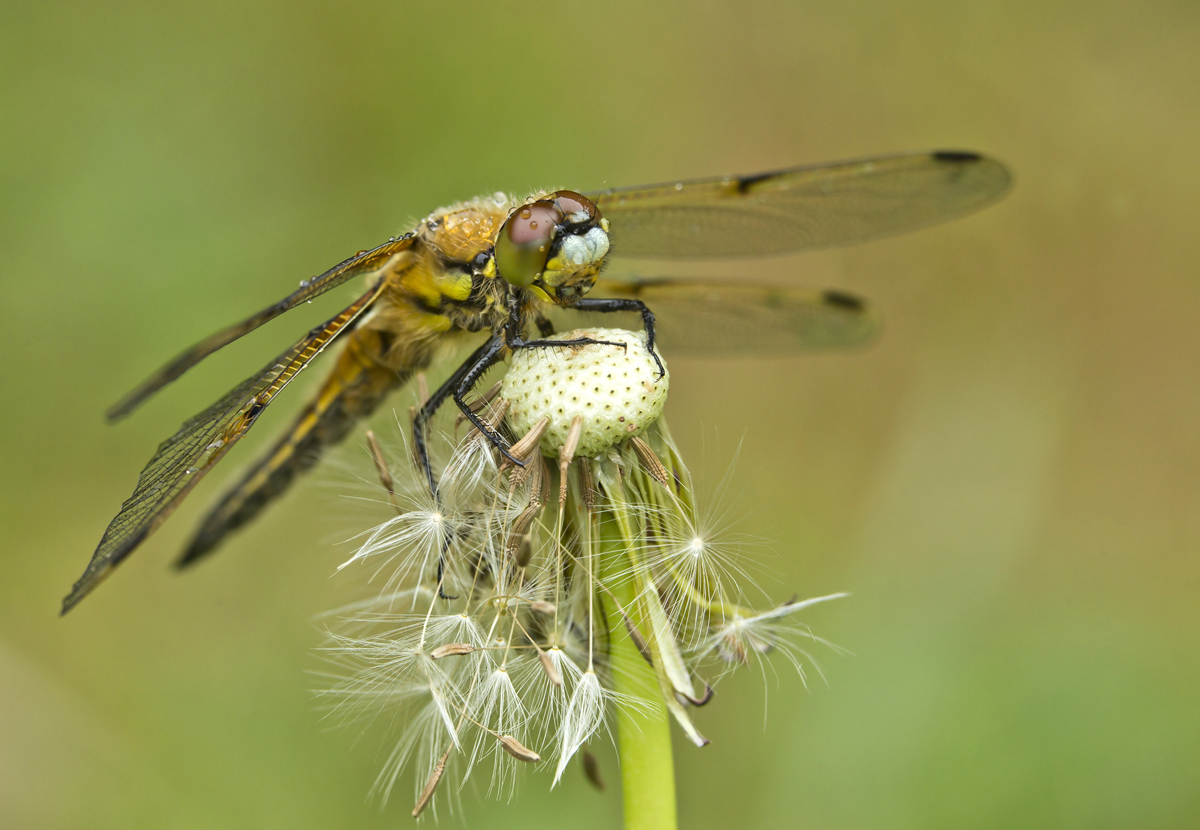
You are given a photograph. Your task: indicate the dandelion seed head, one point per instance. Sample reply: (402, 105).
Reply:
(491, 643)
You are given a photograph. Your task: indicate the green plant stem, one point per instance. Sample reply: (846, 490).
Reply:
(643, 733)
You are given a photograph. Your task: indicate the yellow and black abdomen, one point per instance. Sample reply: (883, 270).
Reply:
(359, 382)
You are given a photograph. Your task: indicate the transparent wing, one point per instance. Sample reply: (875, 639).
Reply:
(736, 319)
(184, 458)
(819, 206)
(362, 263)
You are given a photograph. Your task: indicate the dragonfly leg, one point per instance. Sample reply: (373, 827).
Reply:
(578, 341)
(459, 382)
(606, 306)
(514, 338)
(446, 390)
(487, 358)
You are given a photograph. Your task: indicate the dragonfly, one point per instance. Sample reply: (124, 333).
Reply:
(496, 268)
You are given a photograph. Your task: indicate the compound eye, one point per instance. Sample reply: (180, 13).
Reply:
(576, 207)
(524, 242)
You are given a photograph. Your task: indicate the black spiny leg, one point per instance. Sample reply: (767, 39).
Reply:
(484, 356)
(488, 357)
(606, 306)
(520, 343)
(483, 353)
(514, 336)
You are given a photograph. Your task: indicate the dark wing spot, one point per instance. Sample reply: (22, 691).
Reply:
(847, 301)
(746, 182)
(957, 156)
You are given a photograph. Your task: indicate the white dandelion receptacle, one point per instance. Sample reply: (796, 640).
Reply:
(616, 391)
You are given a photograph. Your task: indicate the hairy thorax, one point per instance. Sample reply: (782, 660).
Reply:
(447, 283)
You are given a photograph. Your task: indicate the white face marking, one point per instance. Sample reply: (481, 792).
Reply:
(588, 249)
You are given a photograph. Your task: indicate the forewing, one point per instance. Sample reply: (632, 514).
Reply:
(184, 458)
(800, 209)
(711, 319)
(364, 263)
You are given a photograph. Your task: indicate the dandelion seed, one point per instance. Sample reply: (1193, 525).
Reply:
(582, 719)
(495, 707)
(517, 750)
(550, 669)
(591, 768)
(532, 438)
(740, 637)
(451, 650)
(431, 784)
(649, 460)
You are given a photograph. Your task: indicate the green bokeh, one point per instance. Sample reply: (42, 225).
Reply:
(1007, 480)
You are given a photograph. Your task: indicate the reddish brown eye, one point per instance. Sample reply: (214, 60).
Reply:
(532, 223)
(524, 242)
(575, 206)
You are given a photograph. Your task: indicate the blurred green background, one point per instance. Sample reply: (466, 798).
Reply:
(1007, 480)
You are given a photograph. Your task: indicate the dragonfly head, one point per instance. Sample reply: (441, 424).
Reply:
(554, 246)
